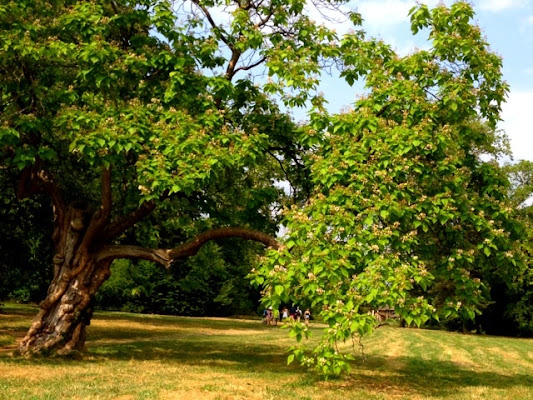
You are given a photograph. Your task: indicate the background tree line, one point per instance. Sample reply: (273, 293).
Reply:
(215, 283)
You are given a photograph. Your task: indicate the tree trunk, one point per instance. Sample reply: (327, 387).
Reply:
(60, 326)
(83, 256)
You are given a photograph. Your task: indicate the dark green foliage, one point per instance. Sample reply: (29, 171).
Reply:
(511, 312)
(25, 245)
(212, 283)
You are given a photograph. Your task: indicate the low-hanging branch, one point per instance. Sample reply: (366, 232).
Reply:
(165, 257)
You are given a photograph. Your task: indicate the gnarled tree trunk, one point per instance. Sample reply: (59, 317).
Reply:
(61, 323)
(84, 251)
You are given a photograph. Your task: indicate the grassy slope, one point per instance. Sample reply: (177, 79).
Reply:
(159, 357)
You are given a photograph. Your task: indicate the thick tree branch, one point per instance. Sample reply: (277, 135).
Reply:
(121, 225)
(230, 71)
(100, 218)
(191, 248)
(160, 256)
(167, 256)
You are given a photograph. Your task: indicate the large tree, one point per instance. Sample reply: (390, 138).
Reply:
(132, 115)
(116, 109)
(404, 214)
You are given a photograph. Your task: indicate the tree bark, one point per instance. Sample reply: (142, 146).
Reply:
(60, 326)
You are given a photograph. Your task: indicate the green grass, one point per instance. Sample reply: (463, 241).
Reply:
(161, 357)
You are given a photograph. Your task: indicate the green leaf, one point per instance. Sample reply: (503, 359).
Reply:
(290, 359)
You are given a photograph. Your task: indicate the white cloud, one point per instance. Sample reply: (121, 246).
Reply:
(516, 114)
(500, 5)
(384, 15)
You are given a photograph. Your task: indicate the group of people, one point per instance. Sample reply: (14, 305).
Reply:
(271, 317)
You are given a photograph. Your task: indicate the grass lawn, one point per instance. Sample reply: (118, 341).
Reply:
(161, 357)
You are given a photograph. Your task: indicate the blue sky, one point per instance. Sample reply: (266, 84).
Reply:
(508, 26)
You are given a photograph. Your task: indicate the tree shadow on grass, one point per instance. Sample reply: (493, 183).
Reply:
(196, 350)
(179, 321)
(14, 323)
(208, 344)
(435, 378)
(407, 374)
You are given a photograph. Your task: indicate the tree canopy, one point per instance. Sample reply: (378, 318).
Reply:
(116, 109)
(404, 214)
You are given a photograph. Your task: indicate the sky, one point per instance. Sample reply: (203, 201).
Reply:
(508, 27)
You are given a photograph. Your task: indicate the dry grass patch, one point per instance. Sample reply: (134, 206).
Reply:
(513, 357)
(159, 357)
(394, 349)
